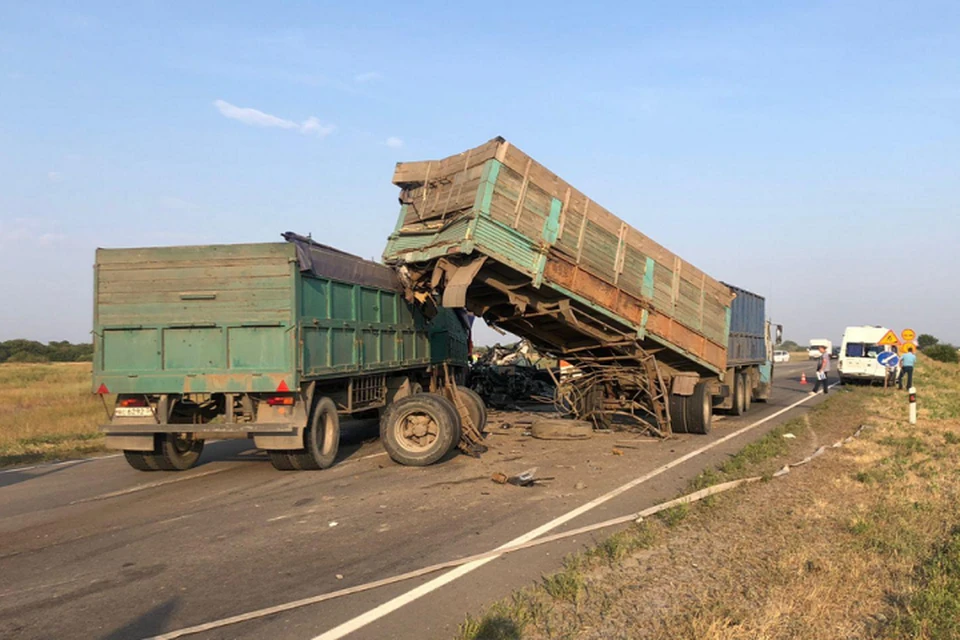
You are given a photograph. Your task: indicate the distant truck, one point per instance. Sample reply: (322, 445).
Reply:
(813, 352)
(272, 342)
(657, 340)
(858, 354)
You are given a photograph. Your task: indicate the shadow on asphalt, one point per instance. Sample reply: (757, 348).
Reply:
(151, 623)
(353, 435)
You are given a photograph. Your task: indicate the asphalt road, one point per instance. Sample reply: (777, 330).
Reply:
(94, 549)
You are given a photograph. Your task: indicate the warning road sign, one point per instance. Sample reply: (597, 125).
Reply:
(889, 338)
(908, 335)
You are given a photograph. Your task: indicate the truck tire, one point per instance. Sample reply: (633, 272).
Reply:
(699, 410)
(176, 451)
(282, 460)
(747, 392)
(678, 418)
(739, 395)
(475, 406)
(419, 430)
(321, 440)
(141, 460)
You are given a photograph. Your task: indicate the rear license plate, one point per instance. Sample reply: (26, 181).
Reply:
(133, 412)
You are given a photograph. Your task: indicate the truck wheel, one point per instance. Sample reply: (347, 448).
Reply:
(282, 460)
(747, 393)
(475, 407)
(177, 451)
(419, 430)
(739, 395)
(321, 440)
(141, 460)
(699, 410)
(678, 418)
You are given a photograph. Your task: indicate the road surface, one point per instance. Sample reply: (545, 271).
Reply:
(94, 549)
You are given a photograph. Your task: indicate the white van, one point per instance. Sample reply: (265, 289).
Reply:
(858, 354)
(814, 351)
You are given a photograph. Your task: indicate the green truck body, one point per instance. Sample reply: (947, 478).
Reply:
(223, 330)
(245, 318)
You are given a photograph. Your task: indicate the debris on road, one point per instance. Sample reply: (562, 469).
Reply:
(561, 429)
(499, 478)
(617, 452)
(524, 478)
(507, 375)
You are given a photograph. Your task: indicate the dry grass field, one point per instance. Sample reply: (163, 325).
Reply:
(863, 542)
(47, 412)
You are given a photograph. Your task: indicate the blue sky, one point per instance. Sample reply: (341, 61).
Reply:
(807, 151)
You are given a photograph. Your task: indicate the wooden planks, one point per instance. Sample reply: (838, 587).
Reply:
(596, 254)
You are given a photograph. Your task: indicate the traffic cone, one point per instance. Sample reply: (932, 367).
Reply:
(803, 377)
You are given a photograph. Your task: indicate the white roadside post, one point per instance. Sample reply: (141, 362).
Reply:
(913, 404)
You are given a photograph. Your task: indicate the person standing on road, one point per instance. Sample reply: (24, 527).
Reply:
(823, 367)
(906, 367)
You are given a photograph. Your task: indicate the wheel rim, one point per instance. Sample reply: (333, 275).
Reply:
(417, 431)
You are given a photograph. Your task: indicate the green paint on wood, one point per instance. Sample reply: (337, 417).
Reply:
(647, 290)
(551, 227)
(488, 183)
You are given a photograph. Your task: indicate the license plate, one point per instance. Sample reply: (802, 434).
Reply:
(133, 412)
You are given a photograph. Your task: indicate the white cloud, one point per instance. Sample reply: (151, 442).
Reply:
(394, 143)
(257, 118)
(55, 176)
(369, 76)
(254, 117)
(312, 126)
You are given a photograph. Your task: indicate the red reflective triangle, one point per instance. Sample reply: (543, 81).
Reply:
(283, 386)
(103, 389)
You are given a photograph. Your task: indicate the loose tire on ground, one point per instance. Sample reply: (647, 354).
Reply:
(678, 418)
(419, 430)
(321, 440)
(561, 429)
(699, 410)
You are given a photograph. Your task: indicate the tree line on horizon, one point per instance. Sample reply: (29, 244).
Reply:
(21, 350)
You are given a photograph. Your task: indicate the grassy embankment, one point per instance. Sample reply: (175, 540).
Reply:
(863, 542)
(47, 412)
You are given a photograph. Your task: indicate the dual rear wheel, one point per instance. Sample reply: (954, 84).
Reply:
(693, 413)
(171, 452)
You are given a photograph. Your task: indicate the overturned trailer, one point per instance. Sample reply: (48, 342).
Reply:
(492, 230)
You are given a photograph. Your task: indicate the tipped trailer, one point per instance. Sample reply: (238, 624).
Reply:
(659, 342)
(274, 342)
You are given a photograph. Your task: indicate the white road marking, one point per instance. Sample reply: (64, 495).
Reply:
(392, 605)
(59, 464)
(152, 485)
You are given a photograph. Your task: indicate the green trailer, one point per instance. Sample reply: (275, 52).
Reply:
(274, 342)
